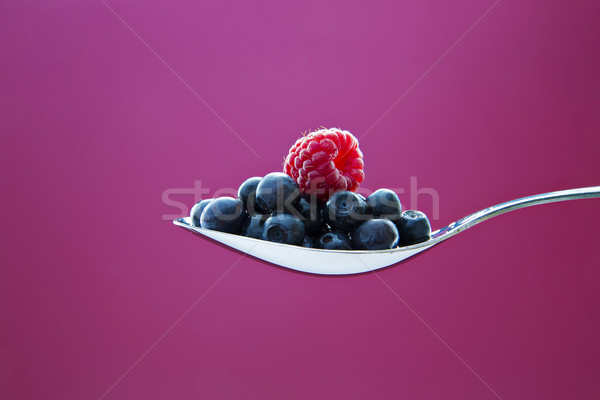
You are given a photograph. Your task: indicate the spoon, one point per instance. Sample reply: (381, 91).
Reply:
(345, 262)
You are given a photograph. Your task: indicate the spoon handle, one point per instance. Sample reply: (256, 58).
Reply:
(490, 212)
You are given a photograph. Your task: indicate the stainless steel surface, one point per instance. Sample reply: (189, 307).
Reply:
(490, 212)
(338, 262)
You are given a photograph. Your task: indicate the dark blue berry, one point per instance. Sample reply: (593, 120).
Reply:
(345, 211)
(311, 213)
(308, 241)
(284, 228)
(197, 209)
(247, 194)
(277, 192)
(334, 240)
(376, 234)
(224, 214)
(254, 226)
(413, 228)
(384, 203)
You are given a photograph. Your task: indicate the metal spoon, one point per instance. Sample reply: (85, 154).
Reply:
(344, 262)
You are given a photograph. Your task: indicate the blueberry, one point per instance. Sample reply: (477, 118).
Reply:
(197, 209)
(277, 192)
(414, 228)
(254, 226)
(376, 234)
(385, 203)
(334, 240)
(247, 194)
(308, 241)
(311, 212)
(345, 211)
(224, 214)
(284, 228)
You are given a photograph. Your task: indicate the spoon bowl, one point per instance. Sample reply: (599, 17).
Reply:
(345, 262)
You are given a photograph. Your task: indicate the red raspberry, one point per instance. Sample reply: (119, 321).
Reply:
(324, 162)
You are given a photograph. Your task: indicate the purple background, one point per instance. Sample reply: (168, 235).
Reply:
(102, 298)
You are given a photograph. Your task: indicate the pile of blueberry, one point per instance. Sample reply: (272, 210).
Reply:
(272, 208)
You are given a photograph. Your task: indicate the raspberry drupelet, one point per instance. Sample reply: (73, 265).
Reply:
(324, 162)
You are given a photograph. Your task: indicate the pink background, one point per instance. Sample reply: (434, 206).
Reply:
(102, 298)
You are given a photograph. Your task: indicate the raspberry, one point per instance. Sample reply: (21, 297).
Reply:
(324, 162)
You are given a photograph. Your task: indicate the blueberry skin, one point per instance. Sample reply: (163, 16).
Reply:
(384, 203)
(197, 209)
(334, 240)
(284, 228)
(247, 194)
(414, 227)
(224, 214)
(308, 241)
(254, 226)
(277, 192)
(376, 234)
(311, 213)
(345, 211)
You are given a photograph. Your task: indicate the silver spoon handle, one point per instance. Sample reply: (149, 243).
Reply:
(490, 212)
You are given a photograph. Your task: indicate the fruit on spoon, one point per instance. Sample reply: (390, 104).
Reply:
(324, 162)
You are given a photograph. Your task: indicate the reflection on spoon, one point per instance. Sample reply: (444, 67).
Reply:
(344, 262)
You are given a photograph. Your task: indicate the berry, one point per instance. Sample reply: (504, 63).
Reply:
(384, 203)
(311, 211)
(254, 226)
(345, 211)
(324, 162)
(277, 192)
(376, 234)
(334, 240)
(224, 214)
(413, 228)
(247, 194)
(284, 228)
(308, 241)
(197, 209)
